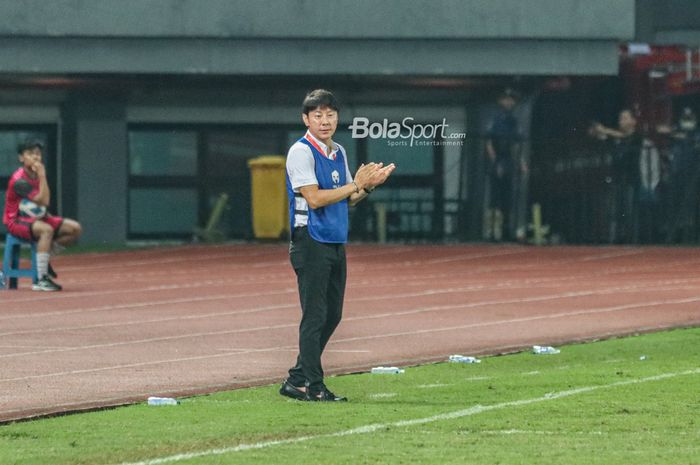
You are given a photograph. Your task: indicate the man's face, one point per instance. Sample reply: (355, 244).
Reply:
(322, 122)
(30, 157)
(627, 122)
(507, 102)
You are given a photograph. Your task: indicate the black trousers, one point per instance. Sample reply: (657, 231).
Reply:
(321, 274)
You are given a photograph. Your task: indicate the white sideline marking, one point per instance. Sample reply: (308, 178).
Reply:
(508, 432)
(430, 386)
(403, 423)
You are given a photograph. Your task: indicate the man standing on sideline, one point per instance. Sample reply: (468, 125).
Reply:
(625, 173)
(320, 187)
(49, 231)
(503, 147)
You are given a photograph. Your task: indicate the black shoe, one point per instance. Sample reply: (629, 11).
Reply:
(291, 391)
(45, 284)
(52, 273)
(325, 396)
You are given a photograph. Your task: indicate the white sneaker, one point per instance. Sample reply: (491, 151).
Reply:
(45, 284)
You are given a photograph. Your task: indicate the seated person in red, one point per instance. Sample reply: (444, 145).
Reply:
(30, 221)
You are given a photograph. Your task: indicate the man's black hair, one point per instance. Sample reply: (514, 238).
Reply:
(509, 92)
(29, 144)
(319, 98)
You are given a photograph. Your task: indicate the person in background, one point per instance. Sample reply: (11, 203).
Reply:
(503, 144)
(50, 232)
(684, 174)
(626, 145)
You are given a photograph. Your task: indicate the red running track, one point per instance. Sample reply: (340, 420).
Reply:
(185, 320)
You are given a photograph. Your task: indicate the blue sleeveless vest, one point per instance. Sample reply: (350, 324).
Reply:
(330, 223)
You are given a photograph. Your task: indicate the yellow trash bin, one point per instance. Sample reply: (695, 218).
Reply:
(269, 193)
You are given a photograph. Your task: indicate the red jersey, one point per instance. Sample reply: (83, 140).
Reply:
(21, 186)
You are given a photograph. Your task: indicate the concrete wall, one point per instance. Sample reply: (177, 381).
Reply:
(672, 22)
(310, 36)
(354, 19)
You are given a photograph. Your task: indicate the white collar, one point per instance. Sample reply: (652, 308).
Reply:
(320, 144)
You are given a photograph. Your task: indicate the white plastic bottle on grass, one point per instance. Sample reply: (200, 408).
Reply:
(463, 359)
(162, 401)
(387, 370)
(544, 350)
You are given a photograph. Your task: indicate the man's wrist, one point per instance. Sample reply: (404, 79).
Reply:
(357, 188)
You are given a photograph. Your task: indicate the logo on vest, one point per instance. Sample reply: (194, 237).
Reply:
(336, 177)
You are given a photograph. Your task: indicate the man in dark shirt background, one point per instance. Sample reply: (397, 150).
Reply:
(625, 174)
(503, 152)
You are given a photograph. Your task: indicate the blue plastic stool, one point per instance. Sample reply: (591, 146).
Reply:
(11, 263)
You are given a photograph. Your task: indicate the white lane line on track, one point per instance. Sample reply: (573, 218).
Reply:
(571, 274)
(510, 285)
(169, 272)
(375, 427)
(150, 304)
(599, 310)
(661, 287)
(190, 317)
(471, 255)
(504, 253)
(171, 259)
(17, 346)
(276, 252)
(262, 279)
(528, 319)
(402, 279)
(418, 310)
(612, 254)
(143, 364)
(53, 297)
(345, 351)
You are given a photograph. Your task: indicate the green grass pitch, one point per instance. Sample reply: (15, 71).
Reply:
(621, 401)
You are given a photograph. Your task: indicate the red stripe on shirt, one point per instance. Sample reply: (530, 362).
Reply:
(318, 147)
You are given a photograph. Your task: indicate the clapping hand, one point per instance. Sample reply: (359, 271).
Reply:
(373, 174)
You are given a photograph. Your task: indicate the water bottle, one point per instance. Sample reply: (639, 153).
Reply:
(387, 370)
(463, 359)
(162, 401)
(544, 350)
